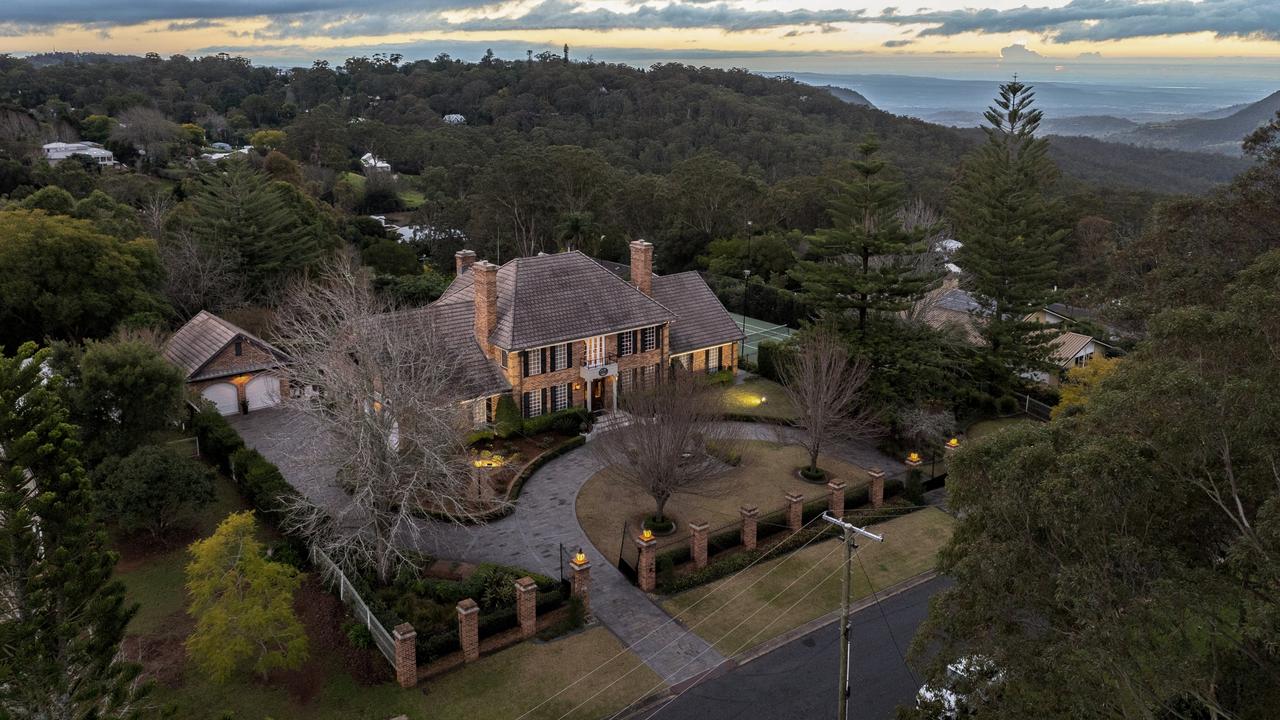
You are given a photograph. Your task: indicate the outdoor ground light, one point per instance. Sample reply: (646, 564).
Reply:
(763, 399)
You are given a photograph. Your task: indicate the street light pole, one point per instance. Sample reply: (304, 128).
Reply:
(850, 532)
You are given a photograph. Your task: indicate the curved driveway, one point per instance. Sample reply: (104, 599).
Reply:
(531, 537)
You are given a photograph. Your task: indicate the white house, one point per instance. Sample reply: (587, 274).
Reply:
(455, 119)
(372, 163)
(56, 152)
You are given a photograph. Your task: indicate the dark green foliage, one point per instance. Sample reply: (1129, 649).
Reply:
(412, 290)
(273, 230)
(358, 634)
(565, 422)
(723, 567)
(1001, 210)
(61, 279)
(1138, 538)
(65, 615)
(913, 491)
(154, 489)
(724, 377)
(1006, 405)
(260, 481)
(863, 264)
(218, 440)
(770, 358)
(507, 418)
(389, 257)
(52, 199)
(125, 394)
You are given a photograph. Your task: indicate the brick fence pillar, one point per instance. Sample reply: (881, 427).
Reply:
(875, 495)
(835, 498)
(580, 582)
(527, 606)
(750, 515)
(698, 543)
(646, 575)
(795, 511)
(469, 629)
(406, 642)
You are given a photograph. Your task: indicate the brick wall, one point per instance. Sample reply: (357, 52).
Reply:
(227, 363)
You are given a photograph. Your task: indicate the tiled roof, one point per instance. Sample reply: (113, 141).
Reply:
(1066, 346)
(454, 323)
(549, 299)
(701, 320)
(203, 337)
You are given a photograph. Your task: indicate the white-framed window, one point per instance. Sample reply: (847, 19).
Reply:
(626, 379)
(533, 403)
(560, 397)
(595, 351)
(648, 339)
(626, 343)
(480, 411)
(534, 362)
(559, 356)
(713, 360)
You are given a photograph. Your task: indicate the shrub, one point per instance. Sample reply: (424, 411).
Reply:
(665, 568)
(770, 359)
(1006, 405)
(913, 491)
(154, 487)
(259, 480)
(665, 526)
(565, 422)
(359, 635)
(733, 563)
(815, 475)
(218, 440)
(507, 420)
(480, 436)
(725, 453)
(723, 377)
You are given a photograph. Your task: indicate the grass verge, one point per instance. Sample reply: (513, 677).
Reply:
(745, 400)
(788, 592)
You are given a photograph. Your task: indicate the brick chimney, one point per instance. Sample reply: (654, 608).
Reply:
(486, 299)
(462, 260)
(642, 266)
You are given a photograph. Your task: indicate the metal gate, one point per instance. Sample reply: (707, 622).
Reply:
(628, 554)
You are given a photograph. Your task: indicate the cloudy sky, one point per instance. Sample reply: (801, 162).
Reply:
(287, 29)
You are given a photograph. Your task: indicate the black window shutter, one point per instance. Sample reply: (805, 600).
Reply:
(524, 363)
(657, 337)
(524, 406)
(568, 351)
(544, 401)
(720, 357)
(542, 366)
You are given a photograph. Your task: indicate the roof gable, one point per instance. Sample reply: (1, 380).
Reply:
(203, 338)
(701, 319)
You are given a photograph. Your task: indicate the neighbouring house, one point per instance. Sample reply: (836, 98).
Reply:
(561, 330)
(1070, 350)
(372, 163)
(455, 119)
(233, 369)
(56, 152)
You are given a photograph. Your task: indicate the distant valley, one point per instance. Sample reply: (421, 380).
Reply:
(1166, 118)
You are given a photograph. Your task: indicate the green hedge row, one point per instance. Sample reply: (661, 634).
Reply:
(534, 465)
(569, 421)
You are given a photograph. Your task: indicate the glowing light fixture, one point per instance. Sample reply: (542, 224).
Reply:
(580, 558)
(953, 443)
(913, 458)
(763, 399)
(647, 535)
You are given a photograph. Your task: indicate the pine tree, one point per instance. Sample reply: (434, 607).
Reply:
(64, 616)
(244, 212)
(866, 260)
(1011, 232)
(242, 603)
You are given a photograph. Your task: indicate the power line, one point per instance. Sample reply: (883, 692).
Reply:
(669, 620)
(876, 596)
(689, 630)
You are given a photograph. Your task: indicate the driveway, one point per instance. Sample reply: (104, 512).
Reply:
(545, 520)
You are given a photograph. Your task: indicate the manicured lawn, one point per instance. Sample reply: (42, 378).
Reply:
(986, 427)
(501, 686)
(746, 399)
(771, 604)
(767, 473)
(154, 578)
(412, 199)
(498, 686)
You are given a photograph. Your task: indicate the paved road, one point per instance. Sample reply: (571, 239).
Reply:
(798, 680)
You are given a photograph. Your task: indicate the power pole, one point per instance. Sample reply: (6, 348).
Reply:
(846, 647)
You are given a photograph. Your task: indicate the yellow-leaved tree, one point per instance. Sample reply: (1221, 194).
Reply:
(1081, 383)
(242, 603)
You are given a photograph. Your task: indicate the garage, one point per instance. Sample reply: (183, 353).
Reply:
(224, 397)
(263, 391)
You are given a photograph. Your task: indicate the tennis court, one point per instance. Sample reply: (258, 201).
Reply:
(756, 331)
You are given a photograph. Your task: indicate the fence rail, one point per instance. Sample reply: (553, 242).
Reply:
(1035, 408)
(333, 574)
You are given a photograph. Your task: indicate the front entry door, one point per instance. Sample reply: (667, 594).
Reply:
(597, 394)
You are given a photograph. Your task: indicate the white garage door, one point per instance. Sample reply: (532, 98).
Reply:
(223, 396)
(263, 391)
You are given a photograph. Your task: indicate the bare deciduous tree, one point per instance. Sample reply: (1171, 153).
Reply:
(155, 214)
(198, 277)
(380, 398)
(148, 130)
(671, 444)
(826, 387)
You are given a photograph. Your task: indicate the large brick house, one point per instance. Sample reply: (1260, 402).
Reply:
(558, 331)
